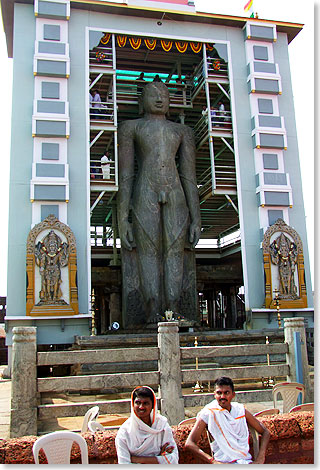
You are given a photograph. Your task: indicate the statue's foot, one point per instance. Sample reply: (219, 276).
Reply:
(153, 319)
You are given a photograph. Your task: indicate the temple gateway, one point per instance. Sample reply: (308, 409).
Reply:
(152, 172)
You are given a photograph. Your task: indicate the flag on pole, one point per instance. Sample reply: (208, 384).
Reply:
(248, 5)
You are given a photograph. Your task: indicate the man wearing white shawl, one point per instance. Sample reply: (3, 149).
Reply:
(228, 425)
(146, 437)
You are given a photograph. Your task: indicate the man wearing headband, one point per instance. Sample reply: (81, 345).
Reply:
(146, 436)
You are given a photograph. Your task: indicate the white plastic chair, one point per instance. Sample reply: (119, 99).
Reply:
(267, 412)
(289, 392)
(187, 421)
(90, 415)
(94, 426)
(303, 407)
(57, 447)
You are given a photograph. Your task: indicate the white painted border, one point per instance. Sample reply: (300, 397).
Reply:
(86, 87)
(36, 211)
(37, 149)
(50, 21)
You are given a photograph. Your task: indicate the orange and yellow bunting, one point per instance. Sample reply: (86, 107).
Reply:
(166, 45)
(105, 39)
(121, 40)
(196, 47)
(150, 43)
(135, 43)
(181, 46)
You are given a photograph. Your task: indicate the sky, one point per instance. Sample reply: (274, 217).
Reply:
(301, 53)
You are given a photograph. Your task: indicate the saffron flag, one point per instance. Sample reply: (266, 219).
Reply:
(248, 5)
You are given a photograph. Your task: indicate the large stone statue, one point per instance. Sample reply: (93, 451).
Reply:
(158, 210)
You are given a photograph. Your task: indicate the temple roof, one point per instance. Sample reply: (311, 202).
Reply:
(178, 10)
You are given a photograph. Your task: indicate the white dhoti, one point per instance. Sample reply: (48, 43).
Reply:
(230, 432)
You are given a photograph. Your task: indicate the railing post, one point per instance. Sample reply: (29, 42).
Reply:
(172, 404)
(24, 382)
(292, 325)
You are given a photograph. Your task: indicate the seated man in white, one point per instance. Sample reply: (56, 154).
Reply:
(146, 437)
(228, 425)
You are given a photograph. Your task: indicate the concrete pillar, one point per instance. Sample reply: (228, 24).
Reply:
(24, 382)
(172, 404)
(290, 326)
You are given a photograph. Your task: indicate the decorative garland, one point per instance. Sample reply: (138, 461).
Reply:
(105, 39)
(166, 45)
(135, 43)
(181, 46)
(216, 65)
(150, 43)
(121, 40)
(100, 56)
(196, 47)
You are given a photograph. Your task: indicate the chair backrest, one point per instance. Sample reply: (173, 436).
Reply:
(57, 447)
(303, 407)
(187, 421)
(267, 412)
(289, 392)
(94, 426)
(90, 415)
(255, 441)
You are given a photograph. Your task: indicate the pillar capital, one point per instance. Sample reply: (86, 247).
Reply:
(24, 334)
(296, 322)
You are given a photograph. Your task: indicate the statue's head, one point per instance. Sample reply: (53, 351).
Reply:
(284, 245)
(155, 98)
(52, 242)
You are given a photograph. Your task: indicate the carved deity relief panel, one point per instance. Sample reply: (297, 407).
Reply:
(51, 269)
(284, 267)
(51, 279)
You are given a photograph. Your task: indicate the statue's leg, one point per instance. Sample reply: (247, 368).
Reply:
(147, 238)
(175, 224)
(173, 274)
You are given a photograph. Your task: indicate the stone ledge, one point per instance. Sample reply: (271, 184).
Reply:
(291, 442)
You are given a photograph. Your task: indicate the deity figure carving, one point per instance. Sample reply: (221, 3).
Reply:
(51, 254)
(163, 202)
(284, 254)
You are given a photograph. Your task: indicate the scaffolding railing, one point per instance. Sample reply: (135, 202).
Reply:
(102, 173)
(102, 111)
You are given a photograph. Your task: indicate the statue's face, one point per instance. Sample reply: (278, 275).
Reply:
(156, 99)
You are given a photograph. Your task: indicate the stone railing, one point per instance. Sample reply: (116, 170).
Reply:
(291, 442)
(171, 373)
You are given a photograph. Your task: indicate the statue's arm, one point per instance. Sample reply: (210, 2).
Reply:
(187, 170)
(126, 176)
